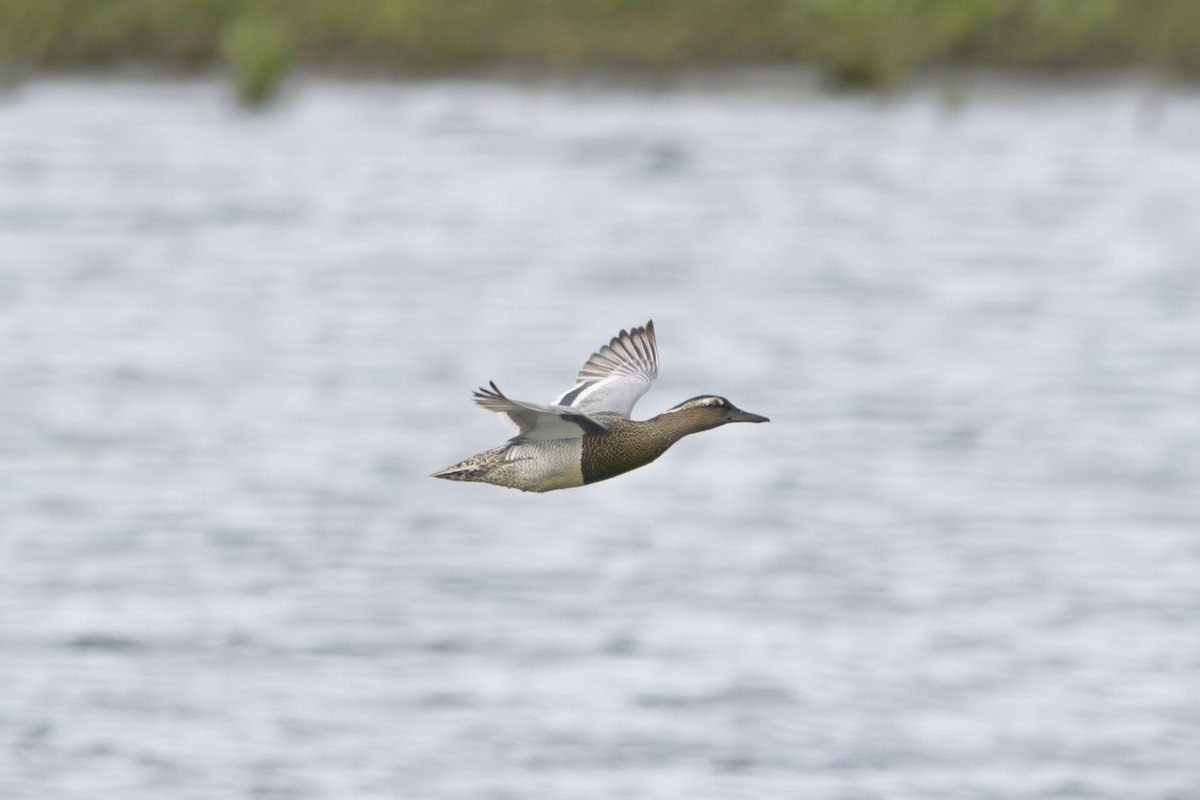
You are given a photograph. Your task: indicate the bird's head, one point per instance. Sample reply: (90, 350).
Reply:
(712, 411)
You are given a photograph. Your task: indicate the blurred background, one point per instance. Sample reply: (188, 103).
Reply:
(255, 255)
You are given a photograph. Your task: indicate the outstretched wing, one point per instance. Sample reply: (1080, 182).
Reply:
(537, 422)
(616, 376)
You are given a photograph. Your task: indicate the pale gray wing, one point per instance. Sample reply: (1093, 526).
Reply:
(615, 377)
(537, 422)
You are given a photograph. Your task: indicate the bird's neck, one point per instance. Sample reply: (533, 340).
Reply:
(674, 425)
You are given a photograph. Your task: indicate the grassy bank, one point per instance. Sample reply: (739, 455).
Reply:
(861, 42)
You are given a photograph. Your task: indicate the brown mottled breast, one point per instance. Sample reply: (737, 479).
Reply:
(626, 445)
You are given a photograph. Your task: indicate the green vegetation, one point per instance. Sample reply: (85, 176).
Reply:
(858, 42)
(259, 51)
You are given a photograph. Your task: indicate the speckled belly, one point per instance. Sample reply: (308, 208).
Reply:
(541, 466)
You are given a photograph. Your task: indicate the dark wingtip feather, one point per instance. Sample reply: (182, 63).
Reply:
(633, 351)
(483, 393)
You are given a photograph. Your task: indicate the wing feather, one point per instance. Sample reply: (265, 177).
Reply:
(616, 376)
(536, 422)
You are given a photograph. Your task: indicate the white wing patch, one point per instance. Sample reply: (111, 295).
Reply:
(617, 375)
(536, 422)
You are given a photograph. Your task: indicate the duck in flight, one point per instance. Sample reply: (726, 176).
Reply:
(586, 435)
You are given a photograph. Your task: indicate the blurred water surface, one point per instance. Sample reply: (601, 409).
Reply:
(962, 561)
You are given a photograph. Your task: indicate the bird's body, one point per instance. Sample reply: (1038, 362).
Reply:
(586, 435)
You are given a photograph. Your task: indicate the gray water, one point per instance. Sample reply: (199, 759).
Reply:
(963, 560)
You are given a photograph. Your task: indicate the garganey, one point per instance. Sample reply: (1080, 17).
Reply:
(586, 435)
